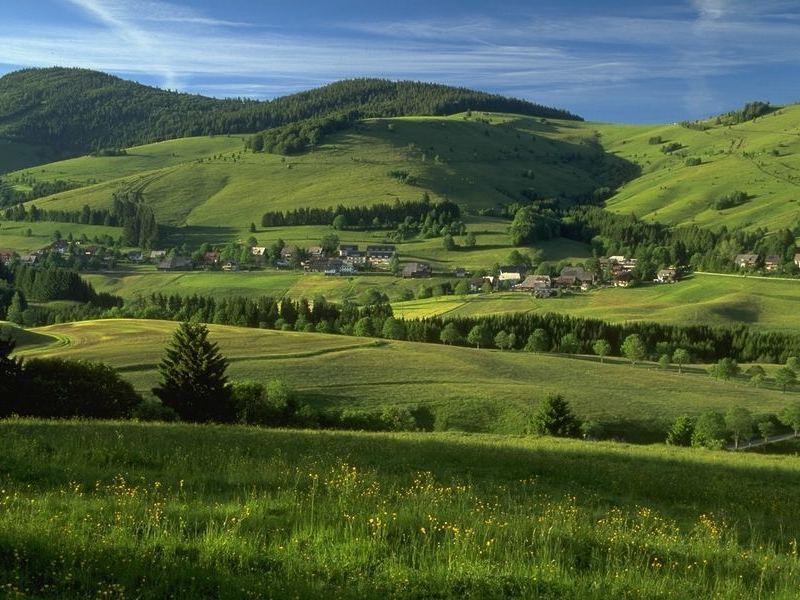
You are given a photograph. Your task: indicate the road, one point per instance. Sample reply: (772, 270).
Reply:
(756, 442)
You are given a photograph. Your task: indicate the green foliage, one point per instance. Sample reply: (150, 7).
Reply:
(569, 344)
(681, 357)
(785, 377)
(532, 225)
(480, 335)
(709, 431)
(739, 421)
(538, 341)
(554, 417)
(58, 388)
(681, 432)
(193, 380)
(790, 416)
(450, 335)
(730, 200)
(633, 348)
(726, 368)
(601, 348)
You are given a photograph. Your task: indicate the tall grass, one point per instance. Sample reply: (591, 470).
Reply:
(125, 510)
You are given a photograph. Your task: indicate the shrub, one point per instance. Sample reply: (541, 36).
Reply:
(153, 410)
(54, 387)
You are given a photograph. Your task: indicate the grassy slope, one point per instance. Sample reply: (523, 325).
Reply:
(474, 160)
(734, 158)
(699, 300)
(480, 390)
(228, 512)
(26, 338)
(13, 234)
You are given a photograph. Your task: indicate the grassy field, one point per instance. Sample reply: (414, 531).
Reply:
(14, 235)
(473, 390)
(702, 299)
(760, 158)
(151, 511)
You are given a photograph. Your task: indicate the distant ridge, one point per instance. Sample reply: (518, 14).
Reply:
(70, 112)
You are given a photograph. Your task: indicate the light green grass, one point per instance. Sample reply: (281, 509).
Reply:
(13, 234)
(699, 300)
(475, 163)
(734, 158)
(478, 390)
(150, 511)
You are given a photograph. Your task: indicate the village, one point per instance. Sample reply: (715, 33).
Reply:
(349, 260)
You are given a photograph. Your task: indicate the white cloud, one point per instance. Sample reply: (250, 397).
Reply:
(545, 59)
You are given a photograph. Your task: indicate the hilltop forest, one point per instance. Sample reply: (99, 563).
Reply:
(76, 111)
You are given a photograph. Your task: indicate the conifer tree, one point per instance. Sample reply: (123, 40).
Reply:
(194, 383)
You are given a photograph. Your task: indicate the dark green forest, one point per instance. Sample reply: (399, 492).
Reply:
(78, 111)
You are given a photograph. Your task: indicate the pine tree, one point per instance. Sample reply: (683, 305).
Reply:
(16, 308)
(194, 383)
(10, 377)
(555, 417)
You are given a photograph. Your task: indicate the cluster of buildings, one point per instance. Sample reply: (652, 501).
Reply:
(76, 249)
(770, 264)
(348, 261)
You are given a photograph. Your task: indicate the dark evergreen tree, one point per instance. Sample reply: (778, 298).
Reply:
(554, 417)
(194, 383)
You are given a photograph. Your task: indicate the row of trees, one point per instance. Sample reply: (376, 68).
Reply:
(713, 429)
(375, 216)
(128, 211)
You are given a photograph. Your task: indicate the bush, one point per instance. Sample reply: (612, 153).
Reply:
(153, 410)
(58, 388)
(554, 417)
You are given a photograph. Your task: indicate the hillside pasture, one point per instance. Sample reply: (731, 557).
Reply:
(469, 389)
(702, 299)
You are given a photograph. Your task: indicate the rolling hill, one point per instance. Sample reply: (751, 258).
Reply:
(478, 162)
(760, 157)
(69, 112)
(474, 390)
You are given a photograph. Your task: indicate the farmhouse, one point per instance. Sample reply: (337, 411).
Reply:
(667, 276)
(575, 276)
(538, 285)
(210, 258)
(378, 254)
(315, 252)
(772, 263)
(7, 257)
(476, 284)
(230, 265)
(512, 274)
(460, 272)
(415, 270)
(797, 260)
(135, 257)
(59, 246)
(620, 264)
(346, 249)
(289, 253)
(30, 259)
(623, 279)
(258, 250)
(175, 263)
(356, 258)
(746, 261)
(157, 255)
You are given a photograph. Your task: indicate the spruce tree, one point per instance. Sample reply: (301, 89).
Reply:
(10, 377)
(194, 383)
(554, 417)
(16, 308)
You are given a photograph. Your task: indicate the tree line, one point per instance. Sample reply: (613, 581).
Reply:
(128, 211)
(376, 216)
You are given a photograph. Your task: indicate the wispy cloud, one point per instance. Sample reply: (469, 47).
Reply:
(556, 59)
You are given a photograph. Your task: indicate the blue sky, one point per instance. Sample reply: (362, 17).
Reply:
(622, 60)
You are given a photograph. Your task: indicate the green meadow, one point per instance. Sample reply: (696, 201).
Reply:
(468, 389)
(14, 234)
(702, 299)
(474, 163)
(152, 511)
(759, 157)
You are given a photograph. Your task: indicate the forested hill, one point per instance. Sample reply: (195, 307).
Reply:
(77, 111)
